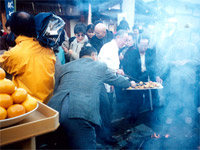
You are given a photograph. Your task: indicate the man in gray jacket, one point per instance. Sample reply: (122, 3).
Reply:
(77, 97)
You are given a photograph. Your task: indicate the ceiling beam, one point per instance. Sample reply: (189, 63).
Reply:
(108, 4)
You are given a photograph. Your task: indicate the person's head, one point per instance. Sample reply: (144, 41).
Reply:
(143, 43)
(8, 30)
(100, 30)
(88, 51)
(123, 25)
(121, 37)
(130, 40)
(90, 31)
(80, 31)
(22, 23)
(136, 30)
(97, 22)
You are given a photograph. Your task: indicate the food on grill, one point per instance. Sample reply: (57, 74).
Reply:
(146, 85)
(141, 83)
(141, 87)
(151, 86)
(130, 88)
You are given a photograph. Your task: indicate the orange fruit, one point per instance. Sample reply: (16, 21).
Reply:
(30, 103)
(2, 73)
(5, 100)
(3, 113)
(15, 110)
(7, 86)
(19, 95)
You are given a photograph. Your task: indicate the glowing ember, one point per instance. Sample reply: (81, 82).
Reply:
(155, 136)
(167, 135)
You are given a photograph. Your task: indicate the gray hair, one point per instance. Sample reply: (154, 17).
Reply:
(120, 33)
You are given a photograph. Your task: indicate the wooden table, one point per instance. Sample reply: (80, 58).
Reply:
(22, 135)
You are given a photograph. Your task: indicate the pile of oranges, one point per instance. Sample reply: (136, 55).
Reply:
(13, 101)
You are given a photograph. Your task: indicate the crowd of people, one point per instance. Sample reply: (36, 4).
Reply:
(81, 80)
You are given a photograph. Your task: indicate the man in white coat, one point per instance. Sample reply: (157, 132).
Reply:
(109, 55)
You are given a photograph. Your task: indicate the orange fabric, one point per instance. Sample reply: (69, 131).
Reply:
(32, 67)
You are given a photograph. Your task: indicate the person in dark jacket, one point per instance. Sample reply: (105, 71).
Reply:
(90, 31)
(141, 64)
(7, 41)
(102, 36)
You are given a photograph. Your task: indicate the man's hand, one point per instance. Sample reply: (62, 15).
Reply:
(120, 72)
(67, 51)
(70, 52)
(133, 84)
(159, 80)
(121, 56)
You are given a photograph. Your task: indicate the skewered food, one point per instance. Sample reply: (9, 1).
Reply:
(146, 85)
(141, 83)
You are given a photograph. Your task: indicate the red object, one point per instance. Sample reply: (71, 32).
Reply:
(4, 33)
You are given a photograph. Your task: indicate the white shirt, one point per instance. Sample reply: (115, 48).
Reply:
(143, 65)
(109, 55)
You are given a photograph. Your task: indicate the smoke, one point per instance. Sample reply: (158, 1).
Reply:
(178, 55)
(179, 67)
(80, 4)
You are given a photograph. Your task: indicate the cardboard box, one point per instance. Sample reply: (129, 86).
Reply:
(43, 120)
